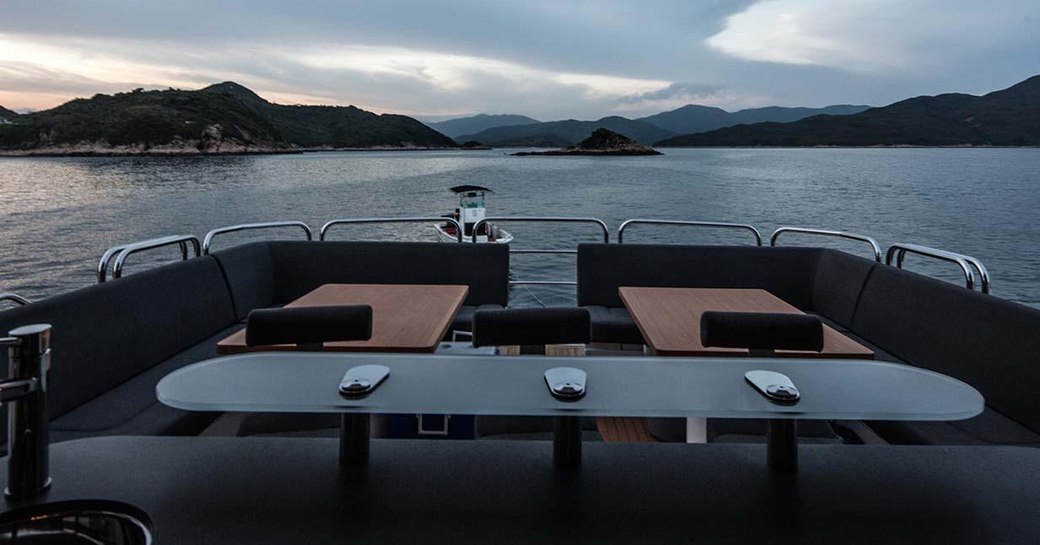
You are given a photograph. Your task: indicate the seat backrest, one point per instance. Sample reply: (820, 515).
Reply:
(990, 343)
(531, 326)
(249, 274)
(838, 283)
(785, 272)
(108, 333)
(302, 266)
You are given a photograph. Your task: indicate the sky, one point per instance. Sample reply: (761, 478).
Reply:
(548, 59)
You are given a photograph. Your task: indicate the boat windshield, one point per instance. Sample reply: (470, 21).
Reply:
(472, 200)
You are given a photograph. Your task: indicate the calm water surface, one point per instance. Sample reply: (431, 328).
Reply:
(58, 215)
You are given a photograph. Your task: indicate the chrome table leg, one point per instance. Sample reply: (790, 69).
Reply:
(567, 441)
(782, 446)
(354, 439)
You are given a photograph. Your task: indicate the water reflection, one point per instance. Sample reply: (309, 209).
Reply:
(59, 214)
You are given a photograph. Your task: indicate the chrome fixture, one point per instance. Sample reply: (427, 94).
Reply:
(123, 251)
(897, 252)
(724, 225)
(541, 219)
(826, 232)
(207, 241)
(29, 355)
(325, 228)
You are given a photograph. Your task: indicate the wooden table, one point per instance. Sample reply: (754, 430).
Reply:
(670, 320)
(405, 317)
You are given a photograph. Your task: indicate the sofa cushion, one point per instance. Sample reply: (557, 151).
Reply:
(131, 407)
(988, 428)
(106, 334)
(249, 275)
(838, 283)
(613, 325)
(299, 267)
(603, 268)
(990, 343)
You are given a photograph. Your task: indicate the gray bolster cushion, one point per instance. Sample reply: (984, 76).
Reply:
(306, 325)
(531, 326)
(761, 331)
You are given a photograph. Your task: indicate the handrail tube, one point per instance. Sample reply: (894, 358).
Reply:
(983, 273)
(102, 267)
(325, 228)
(898, 252)
(570, 252)
(744, 226)
(544, 219)
(207, 241)
(827, 232)
(14, 298)
(130, 249)
(543, 283)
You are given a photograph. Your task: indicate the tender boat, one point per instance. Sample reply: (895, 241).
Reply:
(470, 214)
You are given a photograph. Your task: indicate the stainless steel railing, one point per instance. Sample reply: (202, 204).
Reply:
(207, 241)
(325, 228)
(967, 263)
(544, 219)
(14, 298)
(122, 252)
(719, 224)
(826, 232)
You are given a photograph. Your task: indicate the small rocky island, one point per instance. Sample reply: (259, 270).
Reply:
(603, 142)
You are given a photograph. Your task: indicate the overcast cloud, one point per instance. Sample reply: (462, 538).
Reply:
(545, 58)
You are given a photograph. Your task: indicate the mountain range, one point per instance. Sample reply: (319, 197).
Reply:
(229, 118)
(222, 118)
(474, 124)
(7, 116)
(693, 118)
(1009, 117)
(688, 119)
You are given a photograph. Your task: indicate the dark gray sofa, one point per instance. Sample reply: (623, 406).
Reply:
(114, 341)
(985, 341)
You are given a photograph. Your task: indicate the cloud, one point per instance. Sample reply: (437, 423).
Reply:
(680, 91)
(382, 79)
(876, 36)
(543, 58)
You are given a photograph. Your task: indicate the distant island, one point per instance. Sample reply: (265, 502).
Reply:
(602, 143)
(225, 118)
(1010, 117)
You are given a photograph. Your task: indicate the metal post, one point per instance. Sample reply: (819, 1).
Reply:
(353, 439)
(567, 441)
(29, 355)
(782, 447)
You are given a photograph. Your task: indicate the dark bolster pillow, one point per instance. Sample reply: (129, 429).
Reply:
(531, 326)
(306, 325)
(761, 331)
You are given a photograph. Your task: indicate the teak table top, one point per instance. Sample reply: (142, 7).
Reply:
(405, 317)
(670, 320)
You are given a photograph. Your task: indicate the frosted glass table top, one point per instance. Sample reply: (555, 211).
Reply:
(617, 386)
